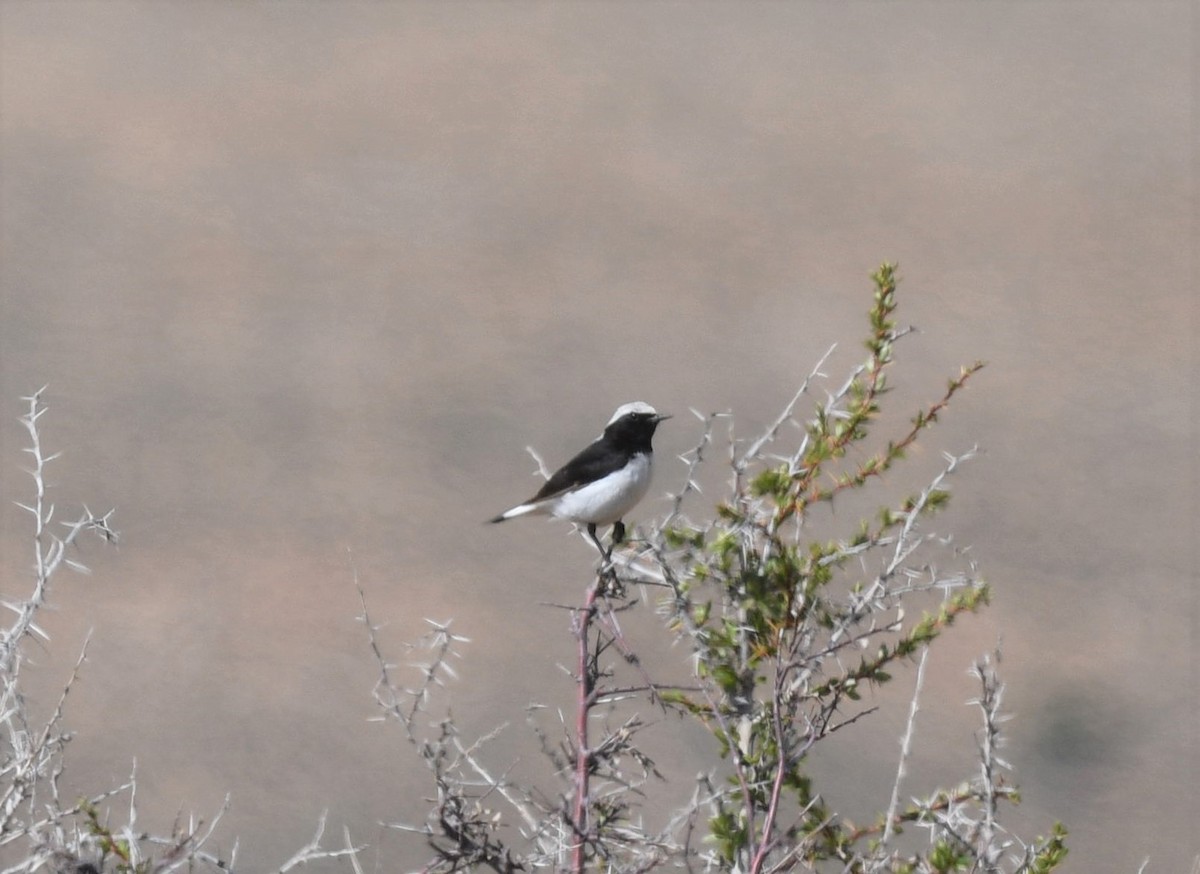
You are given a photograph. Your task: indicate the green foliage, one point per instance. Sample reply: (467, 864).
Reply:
(944, 857)
(790, 632)
(111, 847)
(1049, 852)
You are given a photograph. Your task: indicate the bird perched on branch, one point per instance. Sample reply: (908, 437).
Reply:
(604, 481)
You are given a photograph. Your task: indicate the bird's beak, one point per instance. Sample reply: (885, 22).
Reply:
(661, 417)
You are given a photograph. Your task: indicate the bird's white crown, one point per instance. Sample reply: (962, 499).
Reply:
(635, 407)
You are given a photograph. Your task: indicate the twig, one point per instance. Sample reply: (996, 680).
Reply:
(905, 746)
(585, 683)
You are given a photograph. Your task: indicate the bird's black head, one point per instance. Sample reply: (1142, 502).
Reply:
(632, 426)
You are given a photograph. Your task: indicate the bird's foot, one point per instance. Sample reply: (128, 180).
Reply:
(612, 587)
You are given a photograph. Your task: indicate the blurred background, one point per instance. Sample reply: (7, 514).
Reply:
(305, 279)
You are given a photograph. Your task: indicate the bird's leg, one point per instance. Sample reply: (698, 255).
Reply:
(591, 530)
(606, 566)
(618, 536)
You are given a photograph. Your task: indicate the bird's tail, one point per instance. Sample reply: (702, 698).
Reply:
(519, 510)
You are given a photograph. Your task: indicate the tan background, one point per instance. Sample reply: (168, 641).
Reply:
(307, 277)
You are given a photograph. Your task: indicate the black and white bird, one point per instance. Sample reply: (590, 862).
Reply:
(604, 481)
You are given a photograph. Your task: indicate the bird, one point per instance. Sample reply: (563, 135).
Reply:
(604, 481)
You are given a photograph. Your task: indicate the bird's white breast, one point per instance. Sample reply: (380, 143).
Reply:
(607, 500)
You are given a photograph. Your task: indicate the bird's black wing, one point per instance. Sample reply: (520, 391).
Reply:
(593, 463)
